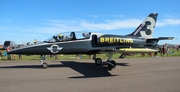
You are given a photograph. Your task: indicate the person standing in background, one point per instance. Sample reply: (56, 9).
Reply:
(0, 55)
(13, 55)
(163, 50)
(8, 55)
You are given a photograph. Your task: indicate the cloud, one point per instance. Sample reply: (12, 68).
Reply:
(110, 24)
(56, 26)
(59, 26)
(172, 16)
(168, 22)
(118, 16)
(93, 15)
(51, 27)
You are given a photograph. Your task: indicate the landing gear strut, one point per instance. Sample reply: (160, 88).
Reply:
(111, 63)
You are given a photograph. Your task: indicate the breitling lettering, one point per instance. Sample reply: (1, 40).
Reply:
(54, 49)
(115, 40)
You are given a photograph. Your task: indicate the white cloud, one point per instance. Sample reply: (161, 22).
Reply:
(168, 22)
(176, 16)
(111, 24)
(51, 27)
(58, 26)
(93, 15)
(118, 16)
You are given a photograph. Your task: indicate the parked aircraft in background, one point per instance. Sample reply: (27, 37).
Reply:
(139, 41)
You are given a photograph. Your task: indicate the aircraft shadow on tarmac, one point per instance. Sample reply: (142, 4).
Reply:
(88, 70)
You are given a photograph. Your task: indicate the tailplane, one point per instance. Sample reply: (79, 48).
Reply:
(146, 28)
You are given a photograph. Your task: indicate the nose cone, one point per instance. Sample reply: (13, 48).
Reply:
(30, 49)
(18, 51)
(21, 50)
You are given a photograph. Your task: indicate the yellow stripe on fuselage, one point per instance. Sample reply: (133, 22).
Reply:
(137, 50)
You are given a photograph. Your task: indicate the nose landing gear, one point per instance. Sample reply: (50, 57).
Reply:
(43, 64)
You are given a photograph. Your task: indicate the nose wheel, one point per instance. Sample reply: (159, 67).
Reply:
(43, 64)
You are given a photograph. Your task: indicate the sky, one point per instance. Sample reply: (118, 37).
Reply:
(23, 21)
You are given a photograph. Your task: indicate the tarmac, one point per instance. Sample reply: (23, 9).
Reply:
(156, 74)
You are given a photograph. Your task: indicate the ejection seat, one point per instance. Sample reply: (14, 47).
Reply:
(72, 36)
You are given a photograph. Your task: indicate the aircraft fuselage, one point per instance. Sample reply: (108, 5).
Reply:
(94, 44)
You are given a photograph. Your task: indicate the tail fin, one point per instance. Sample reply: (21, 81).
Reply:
(146, 28)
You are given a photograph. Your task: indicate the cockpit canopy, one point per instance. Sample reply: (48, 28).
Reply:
(69, 36)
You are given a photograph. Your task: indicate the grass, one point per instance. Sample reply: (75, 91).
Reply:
(71, 57)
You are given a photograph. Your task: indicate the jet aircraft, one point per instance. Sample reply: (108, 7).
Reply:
(139, 41)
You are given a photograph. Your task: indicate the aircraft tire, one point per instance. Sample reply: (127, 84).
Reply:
(112, 65)
(98, 61)
(44, 65)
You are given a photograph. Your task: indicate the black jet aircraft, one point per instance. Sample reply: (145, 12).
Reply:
(139, 41)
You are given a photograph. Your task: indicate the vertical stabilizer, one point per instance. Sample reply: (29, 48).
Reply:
(146, 28)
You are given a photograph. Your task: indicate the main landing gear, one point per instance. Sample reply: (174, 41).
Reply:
(98, 61)
(111, 63)
(43, 64)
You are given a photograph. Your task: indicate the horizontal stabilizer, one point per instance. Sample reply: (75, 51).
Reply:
(161, 38)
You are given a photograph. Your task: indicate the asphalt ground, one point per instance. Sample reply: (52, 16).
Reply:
(130, 75)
